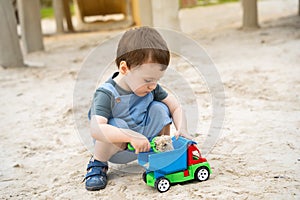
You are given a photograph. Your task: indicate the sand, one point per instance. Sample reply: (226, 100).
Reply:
(256, 157)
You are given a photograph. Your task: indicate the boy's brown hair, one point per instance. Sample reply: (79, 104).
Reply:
(140, 45)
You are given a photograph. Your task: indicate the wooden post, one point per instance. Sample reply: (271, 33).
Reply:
(10, 51)
(299, 8)
(79, 11)
(67, 14)
(142, 12)
(250, 18)
(30, 21)
(136, 12)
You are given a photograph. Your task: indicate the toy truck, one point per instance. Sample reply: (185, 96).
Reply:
(184, 163)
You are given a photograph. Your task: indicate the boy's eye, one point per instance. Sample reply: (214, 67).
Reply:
(148, 81)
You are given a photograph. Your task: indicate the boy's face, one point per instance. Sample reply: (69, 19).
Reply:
(143, 79)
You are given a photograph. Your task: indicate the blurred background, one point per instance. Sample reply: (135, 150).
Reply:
(35, 18)
(253, 44)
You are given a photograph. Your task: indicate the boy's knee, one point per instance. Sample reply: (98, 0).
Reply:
(158, 107)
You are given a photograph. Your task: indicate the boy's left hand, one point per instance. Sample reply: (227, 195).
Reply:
(183, 134)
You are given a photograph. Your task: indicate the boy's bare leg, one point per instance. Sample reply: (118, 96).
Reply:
(104, 151)
(165, 130)
(96, 179)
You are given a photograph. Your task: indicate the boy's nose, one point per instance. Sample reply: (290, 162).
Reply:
(152, 86)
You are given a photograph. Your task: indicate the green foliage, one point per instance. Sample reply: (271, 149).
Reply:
(226, 1)
(46, 3)
(214, 2)
(48, 12)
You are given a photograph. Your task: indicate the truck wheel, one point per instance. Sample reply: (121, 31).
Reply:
(145, 177)
(162, 184)
(202, 174)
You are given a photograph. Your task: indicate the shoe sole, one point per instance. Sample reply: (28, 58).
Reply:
(94, 188)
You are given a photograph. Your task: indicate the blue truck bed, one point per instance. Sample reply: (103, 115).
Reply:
(167, 162)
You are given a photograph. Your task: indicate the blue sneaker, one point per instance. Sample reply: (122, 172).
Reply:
(96, 177)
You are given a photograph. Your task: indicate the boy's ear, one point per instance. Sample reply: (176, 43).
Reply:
(123, 67)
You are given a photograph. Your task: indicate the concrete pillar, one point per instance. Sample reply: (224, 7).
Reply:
(156, 13)
(10, 51)
(250, 16)
(165, 14)
(58, 7)
(142, 12)
(30, 21)
(62, 12)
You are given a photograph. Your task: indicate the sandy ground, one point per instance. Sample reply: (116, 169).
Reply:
(257, 156)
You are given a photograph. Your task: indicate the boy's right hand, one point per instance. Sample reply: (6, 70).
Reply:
(140, 144)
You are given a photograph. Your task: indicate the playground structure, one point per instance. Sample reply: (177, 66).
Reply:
(120, 12)
(138, 12)
(157, 13)
(117, 14)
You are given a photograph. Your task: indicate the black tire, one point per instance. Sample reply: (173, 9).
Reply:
(162, 184)
(202, 174)
(144, 176)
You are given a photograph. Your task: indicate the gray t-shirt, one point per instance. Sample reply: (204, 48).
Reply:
(104, 100)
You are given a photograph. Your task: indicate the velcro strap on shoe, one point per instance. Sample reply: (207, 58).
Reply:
(95, 172)
(97, 164)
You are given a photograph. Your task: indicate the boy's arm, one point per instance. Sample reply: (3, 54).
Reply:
(178, 116)
(104, 132)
